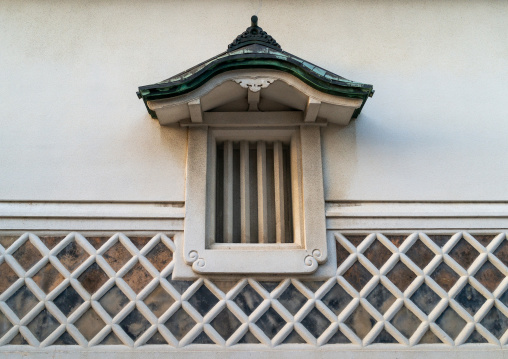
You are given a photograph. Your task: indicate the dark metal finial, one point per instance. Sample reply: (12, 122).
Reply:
(254, 35)
(254, 20)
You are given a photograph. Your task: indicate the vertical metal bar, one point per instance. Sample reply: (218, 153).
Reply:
(228, 192)
(262, 197)
(244, 192)
(278, 165)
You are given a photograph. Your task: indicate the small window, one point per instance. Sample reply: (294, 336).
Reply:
(253, 192)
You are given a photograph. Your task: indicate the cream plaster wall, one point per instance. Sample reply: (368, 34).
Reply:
(71, 127)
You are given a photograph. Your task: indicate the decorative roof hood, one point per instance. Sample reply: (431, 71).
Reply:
(255, 74)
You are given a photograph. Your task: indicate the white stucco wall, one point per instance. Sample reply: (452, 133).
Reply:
(71, 127)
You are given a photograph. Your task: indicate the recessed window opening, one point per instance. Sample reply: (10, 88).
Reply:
(253, 192)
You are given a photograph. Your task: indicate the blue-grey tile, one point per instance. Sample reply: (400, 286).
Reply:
(135, 324)
(292, 299)
(43, 325)
(314, 285)
(89, 324)
(18, 340)
(5, 325)
(470, 299)
(495, 322)
(315, 322)
(270, 286)
(293, 338)
(385, 338)
(203, 338)
(451, 322)
(156, 339)
(360, 322)
(248, 338)
(159, 301)
(476, 338)
(429, 338)
(338, 338)
(114, 301)
(180, 323)
(270, 323)
(203, 300)
(336, 299)
(65, 339)
(425, 298)
(68, 301)
(381, 298)
(180, 285)
(225, 323)
(405, 322)
(248, 299)
(111, 339)
(22, 301)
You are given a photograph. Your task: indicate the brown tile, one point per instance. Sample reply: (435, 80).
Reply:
(484, 239)
(377, 253)
(93, 278)
(140, 242)
(489, 276)
(440, 240)
(405, 322)
(357, 276)
(114, 301)
(48, 278)
(420, 254)
(159, 301)
(6, 241)
(401, 276)
(51, 242)
(89, 324)
(355, 240)
(137, 278)
(397, 240)
(117, 256)
(160, 256)
(27, 255)
(360, 321)
(97, 242)
(72, 256)
(464, 253)
(451, 322)
(5, 324)
(445, 276)
(7, 277)
(430, 338)
(501, 252)
(342, 253)
(225, 285)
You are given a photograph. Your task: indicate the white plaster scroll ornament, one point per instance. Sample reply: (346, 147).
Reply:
(255, 84)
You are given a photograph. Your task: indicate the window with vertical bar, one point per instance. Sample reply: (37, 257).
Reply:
(253, 192)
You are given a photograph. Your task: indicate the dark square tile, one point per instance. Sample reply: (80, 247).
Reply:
(97, 242)
(203, 338)
(293, 338)
(43, 325)
(484, 239)
(68, 301)
(48, 278)
(381, 298)
(420, 254)
(160, 256)
(248, 299)
(495, 322)
(315, 322)
(180, 323)
(341, 252)
(425, 298)
(401, 276)
(111, 339)
(270, 286)
(18, 340)
(440, 240)
(385, 338)
(7, 241)
(357, 276)
(93, 278)
(464, 253)
(338, 338)
(7, 278)
(114, 301)
(397, 240)
(89, 324)
(360, 322)
(445, 276)
(140, 242)
(137, 278)
(117, 256)
(336, 299)
(225, 285)
(203, 300)
(72, 256)
(489, 276)
(225, 323)
(451, 322)
(156, 339)
(501, 252)
(248, 338)
(504, 298)
(50, 242)
(159, 301)
(430, 338)
(270, 323)
(377, 253)
(27, 255)
(476, 338)
(292, 299)
(355, 240)
(5, 325)
(22, 301)
(314, 285)
(180, 285)
(135, 324)
(405, 322)
(65, 339)
(470, 299)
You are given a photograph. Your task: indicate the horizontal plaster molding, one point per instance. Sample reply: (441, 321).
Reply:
(111, 216)
(416, 215)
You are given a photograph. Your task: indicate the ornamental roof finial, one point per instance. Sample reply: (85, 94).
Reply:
(254, 35)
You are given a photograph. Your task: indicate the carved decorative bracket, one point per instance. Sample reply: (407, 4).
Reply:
(255, 84)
